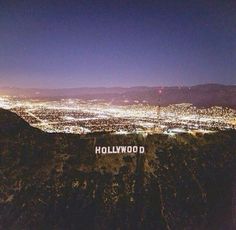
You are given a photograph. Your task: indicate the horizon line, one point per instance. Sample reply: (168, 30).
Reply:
(110, 87)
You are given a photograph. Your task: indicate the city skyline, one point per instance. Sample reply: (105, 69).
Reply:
(117, 44)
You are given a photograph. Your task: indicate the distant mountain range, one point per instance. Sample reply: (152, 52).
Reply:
(200, 95)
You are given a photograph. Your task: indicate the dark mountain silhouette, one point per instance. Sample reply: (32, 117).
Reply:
(200, 95)
(55, 181)
(11, 123)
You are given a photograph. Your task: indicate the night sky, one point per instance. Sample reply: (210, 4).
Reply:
(55, 44)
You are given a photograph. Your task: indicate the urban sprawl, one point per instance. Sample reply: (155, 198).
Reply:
(89, 116)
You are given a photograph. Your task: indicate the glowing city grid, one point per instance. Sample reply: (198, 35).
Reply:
(87, 116)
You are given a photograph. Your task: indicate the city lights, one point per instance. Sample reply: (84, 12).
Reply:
(86, 116)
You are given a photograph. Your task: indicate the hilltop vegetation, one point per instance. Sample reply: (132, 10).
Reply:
(55, 181)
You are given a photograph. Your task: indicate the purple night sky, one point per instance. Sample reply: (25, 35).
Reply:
(55, 44)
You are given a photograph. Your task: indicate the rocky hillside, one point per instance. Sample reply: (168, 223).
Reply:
(55, 181)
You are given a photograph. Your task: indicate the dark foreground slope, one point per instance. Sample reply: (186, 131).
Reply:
(55, 181)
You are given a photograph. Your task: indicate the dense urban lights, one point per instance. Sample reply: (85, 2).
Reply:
(85, 116)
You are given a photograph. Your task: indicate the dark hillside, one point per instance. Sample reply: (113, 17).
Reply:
(55, 181)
